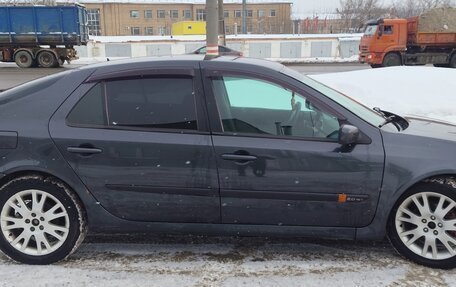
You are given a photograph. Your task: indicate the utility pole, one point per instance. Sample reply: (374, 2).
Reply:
(212, 29)
(222, 32)
(244, 17)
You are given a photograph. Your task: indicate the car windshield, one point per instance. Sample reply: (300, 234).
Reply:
(370, 30)
(350, 104)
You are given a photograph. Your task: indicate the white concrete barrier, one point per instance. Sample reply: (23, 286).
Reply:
(284, 48)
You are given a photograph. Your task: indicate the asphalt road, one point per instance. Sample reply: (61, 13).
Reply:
(11, 75)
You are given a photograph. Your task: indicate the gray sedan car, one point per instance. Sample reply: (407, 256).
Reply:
(227, 146)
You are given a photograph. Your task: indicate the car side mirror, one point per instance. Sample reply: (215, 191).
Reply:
(348, 135)
(380, 32)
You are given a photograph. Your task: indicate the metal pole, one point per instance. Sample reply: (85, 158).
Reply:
(244, 17)
(212, 28)
(222, 32)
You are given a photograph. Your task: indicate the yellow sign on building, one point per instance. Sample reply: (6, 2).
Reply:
(189, 28)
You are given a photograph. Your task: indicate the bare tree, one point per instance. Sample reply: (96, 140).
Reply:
(409, 8)
(354, 13)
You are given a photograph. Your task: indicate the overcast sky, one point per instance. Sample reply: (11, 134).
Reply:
(319, 6)
(324, 6)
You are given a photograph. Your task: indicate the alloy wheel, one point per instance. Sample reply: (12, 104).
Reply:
(34, 222)
(426, 224)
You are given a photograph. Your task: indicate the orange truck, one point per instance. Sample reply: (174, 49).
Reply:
(426, 39)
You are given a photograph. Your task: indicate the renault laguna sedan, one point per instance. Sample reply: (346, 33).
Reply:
(227, 146)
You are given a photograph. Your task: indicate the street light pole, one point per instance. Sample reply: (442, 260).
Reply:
(244, 17)
(212, 28)
(222, 32)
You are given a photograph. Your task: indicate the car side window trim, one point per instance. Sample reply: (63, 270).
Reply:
(270, 136)
(139, 73)
(211, 75)
(200, 114)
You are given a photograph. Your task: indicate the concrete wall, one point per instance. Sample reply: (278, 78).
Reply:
(331, 47)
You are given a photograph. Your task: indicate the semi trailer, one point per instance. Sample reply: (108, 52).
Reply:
(41, 36)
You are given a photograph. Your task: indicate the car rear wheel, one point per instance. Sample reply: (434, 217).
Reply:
(41, 221)
(422, 226)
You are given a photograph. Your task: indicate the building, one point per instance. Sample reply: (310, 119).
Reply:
(155, 17)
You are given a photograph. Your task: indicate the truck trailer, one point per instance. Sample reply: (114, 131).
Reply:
(426, 39)
(41, 36)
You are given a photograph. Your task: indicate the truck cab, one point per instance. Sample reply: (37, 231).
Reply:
(383, 42)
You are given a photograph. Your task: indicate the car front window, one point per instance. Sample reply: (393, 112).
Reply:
(254, 106)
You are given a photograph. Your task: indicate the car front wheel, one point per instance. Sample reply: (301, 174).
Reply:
(41, 220)
(422, 226)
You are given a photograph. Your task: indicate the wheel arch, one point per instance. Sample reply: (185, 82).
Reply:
(8, 177)
(377, 229)
(424, 178)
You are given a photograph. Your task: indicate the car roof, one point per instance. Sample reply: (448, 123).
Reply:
(188, 61)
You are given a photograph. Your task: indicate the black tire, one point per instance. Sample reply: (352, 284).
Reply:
(430, 226)
(59, 63)
(391, 60)
(47, 59)
(55, 191)
(453, 61)
(375, 66)
(24, 59)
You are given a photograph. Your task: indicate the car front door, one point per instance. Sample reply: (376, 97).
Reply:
(141, 146)
(279, 159)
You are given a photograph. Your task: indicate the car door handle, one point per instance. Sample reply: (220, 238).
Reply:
(239, 157)
(84, 150)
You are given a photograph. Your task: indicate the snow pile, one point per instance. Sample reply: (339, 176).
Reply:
(311, 60)
(416, 91)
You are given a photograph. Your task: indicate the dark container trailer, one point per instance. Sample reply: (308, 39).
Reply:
(41, 36)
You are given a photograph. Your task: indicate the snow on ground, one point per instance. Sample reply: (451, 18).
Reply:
(420, 91)
(198, 261)
(321, 60)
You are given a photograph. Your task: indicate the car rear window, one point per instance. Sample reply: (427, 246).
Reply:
(159, 103)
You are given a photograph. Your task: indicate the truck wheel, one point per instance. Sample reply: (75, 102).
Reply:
(422, 224)
(453, 61)
(47, 59)
(24, 59)
(59, 63)
(41, 220)
(441, 65)
(391, 60)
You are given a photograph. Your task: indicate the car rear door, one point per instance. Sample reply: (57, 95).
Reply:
(140, 143)
(278, 156)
